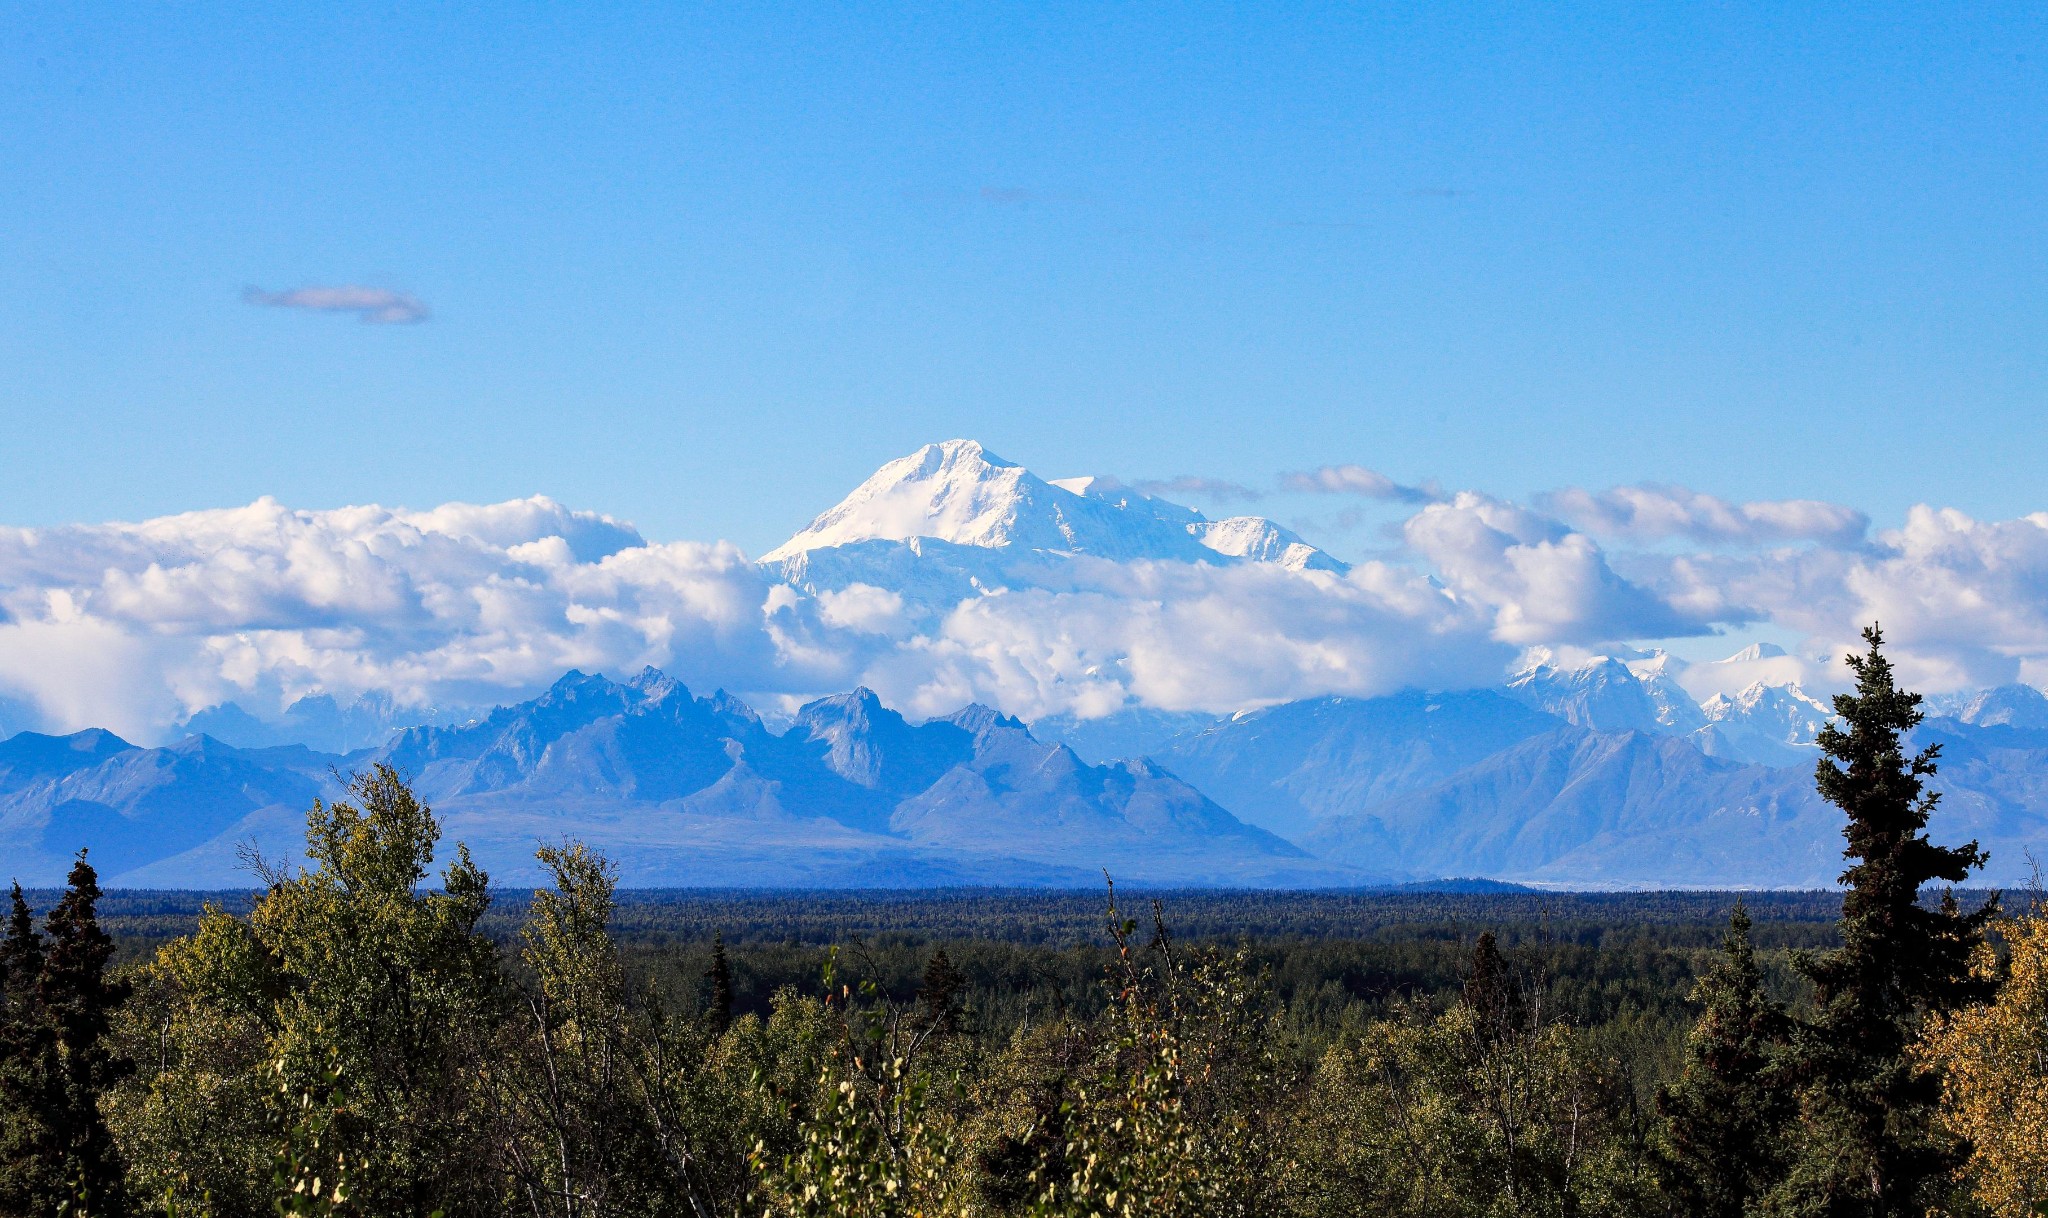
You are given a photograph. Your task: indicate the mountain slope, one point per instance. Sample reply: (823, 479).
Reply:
(132, 806)
(1772, 725)
(1284, 767)
(1599, 809)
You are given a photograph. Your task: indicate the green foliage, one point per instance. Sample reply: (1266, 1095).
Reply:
(1726, 1117)
(1489, 1108)
(31, 1075)
(57, 1004)
(347, 966)
(1867, 1141)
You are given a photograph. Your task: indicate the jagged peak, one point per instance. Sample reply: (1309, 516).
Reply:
(576, 681)
(859, 703)
(978, 718)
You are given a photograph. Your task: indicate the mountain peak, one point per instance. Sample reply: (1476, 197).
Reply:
(1753, 653)
(2020, 706)
(959, 492)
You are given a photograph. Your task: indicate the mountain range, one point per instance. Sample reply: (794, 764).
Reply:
(1594, 771)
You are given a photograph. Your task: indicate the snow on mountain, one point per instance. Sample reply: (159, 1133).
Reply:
(1772, 725)
(960, 494)
(1607, 694)
(2020, 706)
(1758, 663)
(1260, 540)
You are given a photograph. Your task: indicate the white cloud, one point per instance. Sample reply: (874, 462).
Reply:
(374, 306)
(1544, 582)
(460, 605)
(1193, 637)
(1963, 602)
(1650, 512)
(131, 626)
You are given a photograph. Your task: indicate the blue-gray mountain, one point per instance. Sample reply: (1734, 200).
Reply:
(679, 790)
(1591, 777)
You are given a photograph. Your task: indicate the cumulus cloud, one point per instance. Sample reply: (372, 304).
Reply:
(457, 606)
(132, 626)
(375, 306)
(1181, 636)
(1650, 512)
(1360, 481)
(1544, 582)
(1963, 602)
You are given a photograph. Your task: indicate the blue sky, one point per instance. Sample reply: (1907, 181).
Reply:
(705, 269)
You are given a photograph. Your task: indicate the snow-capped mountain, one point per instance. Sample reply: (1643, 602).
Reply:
(2020, 706)
(1771, 725)
(925, 526)
(1610, 694)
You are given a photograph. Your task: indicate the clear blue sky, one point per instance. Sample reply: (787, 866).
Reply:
(705, 269)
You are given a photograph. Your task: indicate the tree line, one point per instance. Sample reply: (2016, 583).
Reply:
(356, 1044)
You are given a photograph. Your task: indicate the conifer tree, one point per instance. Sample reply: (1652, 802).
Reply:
(1867, 1142)
(31, 1179)
(78, 1000)
(940, 995)
(1727, 1114)
(1493, 993)
(718, 979)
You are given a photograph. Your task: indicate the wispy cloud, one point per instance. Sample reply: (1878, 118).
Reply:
(1650, 512)
(1196, 484)
(373, 306)
(1358, 480)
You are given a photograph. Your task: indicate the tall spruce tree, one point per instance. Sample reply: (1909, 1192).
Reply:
(1867, 1144)
(31, 1093)
(1727, 1115)
(78, 999)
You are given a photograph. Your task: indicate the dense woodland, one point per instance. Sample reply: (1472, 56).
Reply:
(367, 1035)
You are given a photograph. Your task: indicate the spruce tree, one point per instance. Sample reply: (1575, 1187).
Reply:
(1493, 992)
(78, 1000)
(31, 1094)
(1868, 1143)
(939, 997)
(718, 980)
(1727, 1115)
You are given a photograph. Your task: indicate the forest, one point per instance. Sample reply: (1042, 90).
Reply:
(370, 1035)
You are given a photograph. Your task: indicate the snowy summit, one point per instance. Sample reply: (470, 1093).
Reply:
(959, 492)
